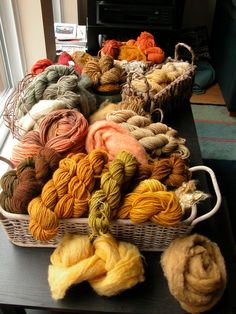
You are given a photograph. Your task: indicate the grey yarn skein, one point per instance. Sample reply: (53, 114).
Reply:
(35, 89)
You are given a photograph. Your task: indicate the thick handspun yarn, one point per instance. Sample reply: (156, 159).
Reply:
(67, 194)
(21, 185)
(113, 138)
(157, 138)
(151, 201)
(40, 66)
(109, 266)
(64, 130)
(133, 103)
(33, 92)
(195, 271)
(106, 200)
(172, 171)
(103, 71)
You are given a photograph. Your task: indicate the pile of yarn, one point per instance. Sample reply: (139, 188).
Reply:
(64, 130)
(151, 82)
(143, 48)
(105, 74)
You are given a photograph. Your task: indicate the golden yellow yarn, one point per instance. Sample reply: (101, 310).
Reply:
(67, 194)
(104, 201)
(108, 265)
(150, 201)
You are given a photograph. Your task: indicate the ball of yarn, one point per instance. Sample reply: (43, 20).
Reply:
(195, 271)
(113, 138)
(64, 130)
(109, 266)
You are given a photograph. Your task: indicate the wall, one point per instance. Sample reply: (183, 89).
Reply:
(31, 23)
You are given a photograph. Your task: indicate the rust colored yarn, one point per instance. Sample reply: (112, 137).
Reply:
(25, 182)
(171, 171)
(40, 66)
(67, 194)
(110, 47)
(151, 201)
(64, 130)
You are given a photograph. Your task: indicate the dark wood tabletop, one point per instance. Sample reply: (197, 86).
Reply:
(23, 271)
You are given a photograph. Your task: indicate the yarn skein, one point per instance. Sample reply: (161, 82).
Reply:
(64, 130)
(21, 185)
(67, 194)
(104, 201)
(195, 270)
(109, 266)
(113, 138)
(151, 201)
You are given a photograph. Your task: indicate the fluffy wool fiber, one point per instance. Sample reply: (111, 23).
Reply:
(196, 273)
(113, 138)
(110, 266)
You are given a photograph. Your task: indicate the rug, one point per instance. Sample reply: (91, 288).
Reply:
(216, 132)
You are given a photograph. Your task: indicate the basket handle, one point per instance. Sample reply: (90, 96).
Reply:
(7, 161)
(188, 48)
(216, 190)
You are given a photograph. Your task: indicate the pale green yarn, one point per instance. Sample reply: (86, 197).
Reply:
(104, 201)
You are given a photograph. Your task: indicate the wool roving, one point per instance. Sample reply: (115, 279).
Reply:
(151, 201)
(108, 265)
(113, 138)
(64, 130)
(106, 200)
(67, 194)
(21, 185)
(195, 270)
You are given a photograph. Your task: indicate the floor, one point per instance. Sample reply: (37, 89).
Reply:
(212, 96)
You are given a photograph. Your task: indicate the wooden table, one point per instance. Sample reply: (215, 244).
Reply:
(23, 271)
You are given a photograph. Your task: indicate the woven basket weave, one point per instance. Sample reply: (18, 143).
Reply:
(147, 236)
(174, 95)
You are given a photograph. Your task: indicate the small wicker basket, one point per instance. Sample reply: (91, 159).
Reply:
(174, 95)
(147, 236)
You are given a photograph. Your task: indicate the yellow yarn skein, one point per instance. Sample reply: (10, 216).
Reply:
(104, 201)
(110, 266)
(67, 194)
(151, 201)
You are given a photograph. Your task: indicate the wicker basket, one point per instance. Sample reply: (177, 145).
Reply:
(147, 236)
(174, 95)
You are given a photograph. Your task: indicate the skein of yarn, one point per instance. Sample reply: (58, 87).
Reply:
(106, 200)
(64, 130)
(40, 66)
(67, 194)
(21, 185)
(109, 266)
(113, 138)
(195, 270)
(151, 201)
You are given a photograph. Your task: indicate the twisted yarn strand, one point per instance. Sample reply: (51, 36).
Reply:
(104, 201)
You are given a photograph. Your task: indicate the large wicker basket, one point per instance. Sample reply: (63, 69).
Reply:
(172, 97)
(147, 236)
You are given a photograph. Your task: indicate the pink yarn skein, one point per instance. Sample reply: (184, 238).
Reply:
(113, 138)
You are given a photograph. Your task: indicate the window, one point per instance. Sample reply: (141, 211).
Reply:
(12, 67)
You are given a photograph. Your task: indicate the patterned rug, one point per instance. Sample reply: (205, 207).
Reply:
(217, 139)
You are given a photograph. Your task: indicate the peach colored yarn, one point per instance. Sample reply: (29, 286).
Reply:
(64, 130)
(113, 138)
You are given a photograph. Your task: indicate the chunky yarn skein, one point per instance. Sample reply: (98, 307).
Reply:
(151, 201)
(195, 270)
(113, 138)
(67, 194)
(109, 266)
(107, 199)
